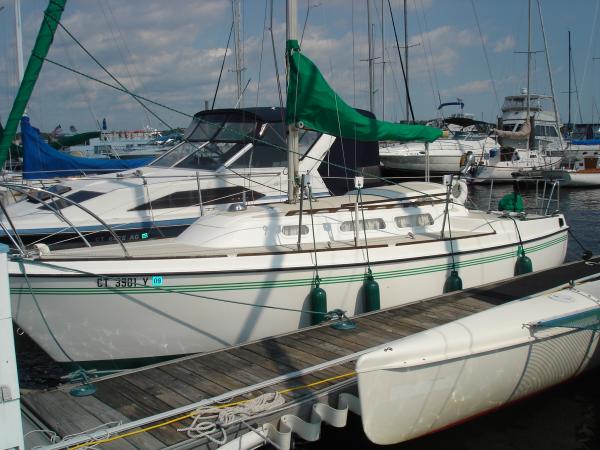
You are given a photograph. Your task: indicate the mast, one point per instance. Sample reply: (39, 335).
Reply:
(528, 61)
(293, 160)
(237, 14)
(569, 126)
(371, 59)
(547, 50)
(406, 61)
(382, 67)
(19, 33)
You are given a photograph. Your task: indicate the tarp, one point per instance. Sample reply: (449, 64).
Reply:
(585, 142)
(40, 160)
(312, 104)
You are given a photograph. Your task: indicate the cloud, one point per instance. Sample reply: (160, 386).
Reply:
(472, 87)
(507, 43)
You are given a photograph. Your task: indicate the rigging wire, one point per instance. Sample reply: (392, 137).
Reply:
(84, 92)
(485, 54)
(576, 90)
(428, 54)
(262, 46)
(107, 71)
(590, 44)
(62, 66)
(222, 66)
(275, 58)
(401, 63)
(121, 41)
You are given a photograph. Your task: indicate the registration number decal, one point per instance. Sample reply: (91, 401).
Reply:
(129, 282)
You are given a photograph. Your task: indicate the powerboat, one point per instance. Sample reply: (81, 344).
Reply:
(228, 156)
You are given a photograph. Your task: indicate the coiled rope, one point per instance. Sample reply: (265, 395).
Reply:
(209, 420)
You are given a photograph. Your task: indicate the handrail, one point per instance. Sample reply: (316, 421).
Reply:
(24, 189)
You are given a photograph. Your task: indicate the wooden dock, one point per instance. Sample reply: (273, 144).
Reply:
(322, 359)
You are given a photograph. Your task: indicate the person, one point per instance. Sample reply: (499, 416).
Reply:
(512, 201)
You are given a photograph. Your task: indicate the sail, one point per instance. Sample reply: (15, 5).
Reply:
(41, 161)
(34, 66)
(313, 104)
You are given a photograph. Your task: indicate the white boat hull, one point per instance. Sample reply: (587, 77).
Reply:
(444, 155)
(443, 164)
(573, 178)
(207, 303)
(443, 376)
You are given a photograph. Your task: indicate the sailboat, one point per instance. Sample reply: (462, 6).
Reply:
(448, 374)
(254, 271)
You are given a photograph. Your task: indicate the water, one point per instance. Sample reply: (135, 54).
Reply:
(566, 417)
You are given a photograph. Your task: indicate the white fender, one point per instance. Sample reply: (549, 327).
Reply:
(460, 191)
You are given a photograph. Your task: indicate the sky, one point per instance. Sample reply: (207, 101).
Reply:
(172, 51)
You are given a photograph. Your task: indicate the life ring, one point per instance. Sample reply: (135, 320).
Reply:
(460, 191)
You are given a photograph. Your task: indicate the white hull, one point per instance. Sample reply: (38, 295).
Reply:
(499, 171)
(444, 155)
(445, 375)
(443, 164)
(205, 303)
(574, 178)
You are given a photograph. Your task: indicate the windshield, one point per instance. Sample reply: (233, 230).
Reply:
(213, 143)
(210, 143)
(203, 156)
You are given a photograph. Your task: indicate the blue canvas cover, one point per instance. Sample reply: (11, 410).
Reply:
(585, 142)
(40, 160)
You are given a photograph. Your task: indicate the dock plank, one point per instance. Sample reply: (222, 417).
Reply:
(65, 416)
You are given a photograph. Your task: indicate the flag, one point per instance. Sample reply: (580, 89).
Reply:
(104, 123)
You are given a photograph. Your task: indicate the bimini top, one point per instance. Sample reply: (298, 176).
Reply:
(210, 122)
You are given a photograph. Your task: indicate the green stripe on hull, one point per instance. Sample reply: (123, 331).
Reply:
(290, 283)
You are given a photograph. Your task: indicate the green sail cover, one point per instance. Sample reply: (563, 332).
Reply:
(34, 66)
(312, 104)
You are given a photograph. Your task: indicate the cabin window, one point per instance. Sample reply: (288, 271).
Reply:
(36, 196)
(368, 224)
(415, 220)
(269, 150)
(77, 197)
(181, 199)
(306, 139)
(210, 156)
(292, 230)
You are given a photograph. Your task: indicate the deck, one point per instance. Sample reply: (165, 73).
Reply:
(321, 357)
